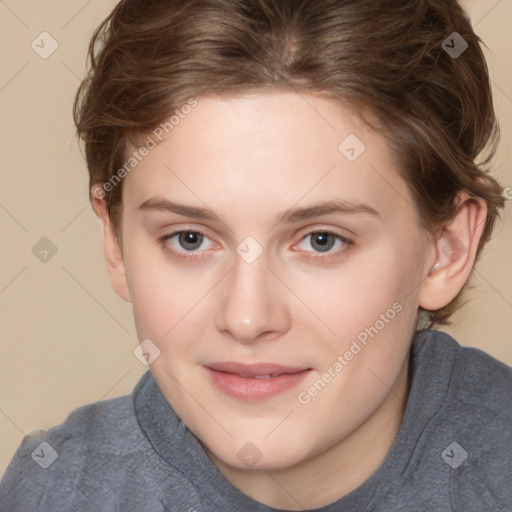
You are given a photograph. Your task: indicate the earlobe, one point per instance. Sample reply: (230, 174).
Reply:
(456, 245)
(113, 253)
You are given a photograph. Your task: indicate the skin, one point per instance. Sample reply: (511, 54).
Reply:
(248, 159)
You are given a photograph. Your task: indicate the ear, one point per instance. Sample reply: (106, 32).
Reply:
(455, 247)
(113, 252)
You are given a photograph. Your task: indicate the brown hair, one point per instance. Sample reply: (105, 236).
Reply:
(148, 59)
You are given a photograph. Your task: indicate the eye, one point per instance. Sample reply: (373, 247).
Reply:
(187, 242)
(323, 242)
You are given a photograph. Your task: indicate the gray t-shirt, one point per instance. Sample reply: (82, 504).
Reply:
(133, 454)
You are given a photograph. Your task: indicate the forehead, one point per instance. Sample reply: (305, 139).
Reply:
(273, 150)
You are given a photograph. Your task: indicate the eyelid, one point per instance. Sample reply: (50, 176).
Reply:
(175, 232)
(169, 230)
(310, 230)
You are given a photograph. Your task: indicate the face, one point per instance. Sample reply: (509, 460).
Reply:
(275, 265)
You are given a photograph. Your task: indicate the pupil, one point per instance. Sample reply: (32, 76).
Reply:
(322, 242)
(190, 241)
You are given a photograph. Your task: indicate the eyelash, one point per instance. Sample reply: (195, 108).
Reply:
(191, 256)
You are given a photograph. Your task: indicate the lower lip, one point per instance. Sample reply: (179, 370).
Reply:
(254, 390)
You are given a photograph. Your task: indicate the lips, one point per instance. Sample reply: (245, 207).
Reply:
(254, 382)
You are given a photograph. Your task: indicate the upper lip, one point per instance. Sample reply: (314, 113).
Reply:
(251, 370)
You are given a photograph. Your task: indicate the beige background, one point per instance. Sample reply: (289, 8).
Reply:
(67, 339)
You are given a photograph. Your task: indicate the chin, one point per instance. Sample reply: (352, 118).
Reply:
(258, 455)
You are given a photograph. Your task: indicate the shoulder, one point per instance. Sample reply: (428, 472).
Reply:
(109, 424)
(472, 430)
(48, 464)
(477, 394)
(99, 458)
(479, 386)
(474, 377)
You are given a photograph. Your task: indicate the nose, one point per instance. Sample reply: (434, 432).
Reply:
(252, 306)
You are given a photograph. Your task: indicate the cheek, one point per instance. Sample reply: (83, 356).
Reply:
(371, 308)
(353, 297)
(163, 296)
(359, 365)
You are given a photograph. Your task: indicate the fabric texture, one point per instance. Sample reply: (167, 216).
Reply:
(133, 454)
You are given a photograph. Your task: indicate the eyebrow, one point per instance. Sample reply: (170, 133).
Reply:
(326, 208)
(181, 209)
(289, 216)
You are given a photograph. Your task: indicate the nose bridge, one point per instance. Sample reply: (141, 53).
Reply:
(251, 305)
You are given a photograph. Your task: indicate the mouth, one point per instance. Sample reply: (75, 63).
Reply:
(255, 382)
